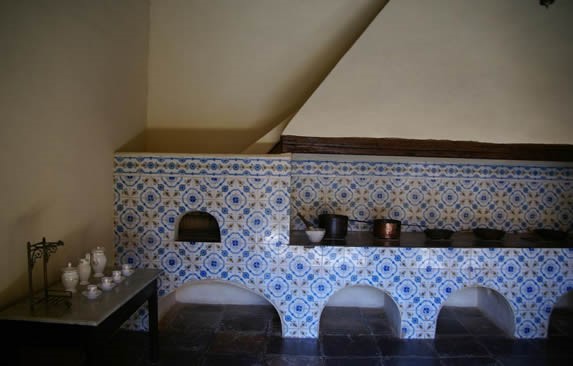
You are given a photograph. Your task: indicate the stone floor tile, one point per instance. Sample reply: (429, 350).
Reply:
(64, 356)
(525, 361)
(411, 361)
(352, 361)
(406, 347)
(470, 361)
(172, 358)
(196, 341)
(237, 343)
(290, 360)
(497, 346)
(246, 319)
(459, 346)
(231, 360)
(293, 346)
(345, 346)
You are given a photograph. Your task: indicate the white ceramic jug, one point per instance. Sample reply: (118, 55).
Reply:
(84, 270)
(70, 277)
(98, 261)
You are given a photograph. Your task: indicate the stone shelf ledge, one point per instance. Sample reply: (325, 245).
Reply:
(462, 239)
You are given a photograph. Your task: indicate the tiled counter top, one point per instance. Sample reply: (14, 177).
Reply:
(419, 240)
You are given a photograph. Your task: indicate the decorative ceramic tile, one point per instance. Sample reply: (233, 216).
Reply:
(452, 196)
(253, 198)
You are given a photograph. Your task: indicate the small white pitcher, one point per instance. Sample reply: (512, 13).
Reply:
(99, 261)
(85, 270)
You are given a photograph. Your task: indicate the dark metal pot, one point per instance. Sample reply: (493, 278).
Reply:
(387, 229)
(335, 226)
(438, 234)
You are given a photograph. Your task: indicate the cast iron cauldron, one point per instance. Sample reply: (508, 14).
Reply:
(335, 226)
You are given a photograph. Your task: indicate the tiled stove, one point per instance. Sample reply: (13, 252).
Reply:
(253, 199)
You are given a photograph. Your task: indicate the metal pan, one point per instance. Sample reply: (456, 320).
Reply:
(335, 226)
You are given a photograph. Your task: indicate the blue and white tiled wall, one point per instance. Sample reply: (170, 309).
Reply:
(444, 195)
(253, 199)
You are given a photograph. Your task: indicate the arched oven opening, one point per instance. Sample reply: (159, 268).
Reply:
(198, 227)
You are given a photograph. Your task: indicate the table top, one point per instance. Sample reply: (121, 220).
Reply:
(84, 311)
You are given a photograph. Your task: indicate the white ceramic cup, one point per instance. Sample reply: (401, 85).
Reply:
(91, 288)
(126, 270)
(106, 281)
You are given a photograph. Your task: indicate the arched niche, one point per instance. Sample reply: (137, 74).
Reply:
(468, 310)
(213, 295)
(198, 226)
(360, 310)
(561, 318)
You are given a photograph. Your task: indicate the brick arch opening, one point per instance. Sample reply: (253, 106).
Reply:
(360, 309)
(198, 226)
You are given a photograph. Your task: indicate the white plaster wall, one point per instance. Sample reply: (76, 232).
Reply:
(209, 292)
(488, 70)
(223, 73)
(73, 76)
(497, 309)
(466, 298)
(359, 296)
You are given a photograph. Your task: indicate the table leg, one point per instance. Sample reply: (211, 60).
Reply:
(153, 324)
(11, 353)
(91, 355)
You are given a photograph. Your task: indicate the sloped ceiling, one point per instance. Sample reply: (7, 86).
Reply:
(223, 73)
(489, 70)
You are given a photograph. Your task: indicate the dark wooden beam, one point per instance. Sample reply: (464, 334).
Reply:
(423, 148)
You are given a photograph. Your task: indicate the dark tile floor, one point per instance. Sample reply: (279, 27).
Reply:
(250, 335)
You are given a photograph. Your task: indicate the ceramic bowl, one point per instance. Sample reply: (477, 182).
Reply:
(315, 235)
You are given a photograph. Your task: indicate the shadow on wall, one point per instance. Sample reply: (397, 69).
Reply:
(136, 144)
(194, 141)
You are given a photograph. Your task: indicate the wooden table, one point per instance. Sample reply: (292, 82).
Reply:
(87, 322)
